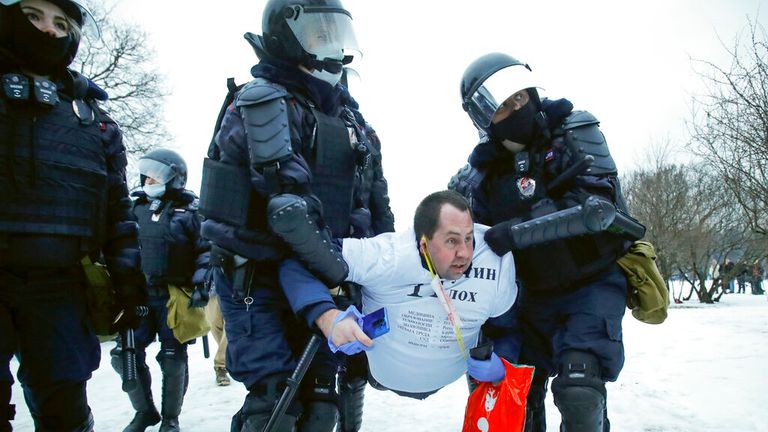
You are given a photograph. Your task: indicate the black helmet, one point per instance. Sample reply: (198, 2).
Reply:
(315, 33)
(164, 165)
(490, 80)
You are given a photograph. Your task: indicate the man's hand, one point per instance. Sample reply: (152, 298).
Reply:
(343, 330)
(499, 239)
(491, 370)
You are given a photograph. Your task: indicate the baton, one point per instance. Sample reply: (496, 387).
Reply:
(206, 350)
(129, 353)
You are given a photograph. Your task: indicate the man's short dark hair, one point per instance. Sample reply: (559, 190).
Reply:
(427, 216)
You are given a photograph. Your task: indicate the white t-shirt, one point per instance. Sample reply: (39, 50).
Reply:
(420, 353)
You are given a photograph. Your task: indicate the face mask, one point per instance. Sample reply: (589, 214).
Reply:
(154, 190)
(519, 127)
(38, 51)
(326, 76)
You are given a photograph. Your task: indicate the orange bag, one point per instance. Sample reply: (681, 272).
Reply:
(501, 407)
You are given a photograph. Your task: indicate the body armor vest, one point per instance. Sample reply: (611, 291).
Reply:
(338, 168)
(333, 172)
(164, 259)
(53, 172)
(576, 259)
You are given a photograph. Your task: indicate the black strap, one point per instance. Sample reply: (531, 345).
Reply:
(232, 89)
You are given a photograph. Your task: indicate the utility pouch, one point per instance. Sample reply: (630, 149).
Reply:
(101, 298)
(648, 296)
(225, 192)
(235, 267)
(185, 322)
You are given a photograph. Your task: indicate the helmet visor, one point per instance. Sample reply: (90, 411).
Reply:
(484, 102)
(156, 170)
(324, 32)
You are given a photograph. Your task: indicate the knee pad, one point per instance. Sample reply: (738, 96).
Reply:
(320, 388)
(321, 404)
(579, 392)
(319, 416)
(258, 407)
(172, 350)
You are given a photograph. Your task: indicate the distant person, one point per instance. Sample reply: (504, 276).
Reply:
(173, 257)
(757, 278)
(741, 278)
(726, 273)
(64, 205)
(213, 313)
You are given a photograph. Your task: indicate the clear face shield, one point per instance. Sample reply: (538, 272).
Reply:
(89, 23)
(484, 102)
(324, 32)
(159, 171)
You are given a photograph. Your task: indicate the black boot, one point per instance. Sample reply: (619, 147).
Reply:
(174, 387)
(86, 426)
(321, 405)
(142, 402)
(170, 425)
(7, 410)
(140, 396)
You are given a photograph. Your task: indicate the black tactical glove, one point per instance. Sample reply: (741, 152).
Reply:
(199, 297)
(499, 239)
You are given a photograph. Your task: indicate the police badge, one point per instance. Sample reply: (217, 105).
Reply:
(526, 186)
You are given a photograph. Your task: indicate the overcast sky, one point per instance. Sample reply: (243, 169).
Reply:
(628, 63)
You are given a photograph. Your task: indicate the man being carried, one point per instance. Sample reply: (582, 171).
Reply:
(439, 283)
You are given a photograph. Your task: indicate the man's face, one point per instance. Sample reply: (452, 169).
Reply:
(452, 245)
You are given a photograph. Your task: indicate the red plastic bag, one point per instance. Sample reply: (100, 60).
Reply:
(492, 408)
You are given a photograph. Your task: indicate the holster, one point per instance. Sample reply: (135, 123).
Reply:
(238, 269)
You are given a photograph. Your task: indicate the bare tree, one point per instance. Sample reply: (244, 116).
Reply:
(729, 124)
(121, 62)
(655, 194)
(692, 220)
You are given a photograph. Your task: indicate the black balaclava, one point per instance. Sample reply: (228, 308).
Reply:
(520, 126)
(36, 50)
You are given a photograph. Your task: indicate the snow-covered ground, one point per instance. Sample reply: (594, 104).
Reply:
(704, 370)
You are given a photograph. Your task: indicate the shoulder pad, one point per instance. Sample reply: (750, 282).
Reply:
(259, 91)
(583, 137)
(264, 112)
(578, 119)
(466, 180)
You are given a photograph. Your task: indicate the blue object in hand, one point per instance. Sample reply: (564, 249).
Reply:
(348, 348)
(490, 370)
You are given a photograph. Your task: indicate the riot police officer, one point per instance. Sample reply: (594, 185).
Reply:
(65, 201)
(173, 256)
(537, 157)
(293, 129)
